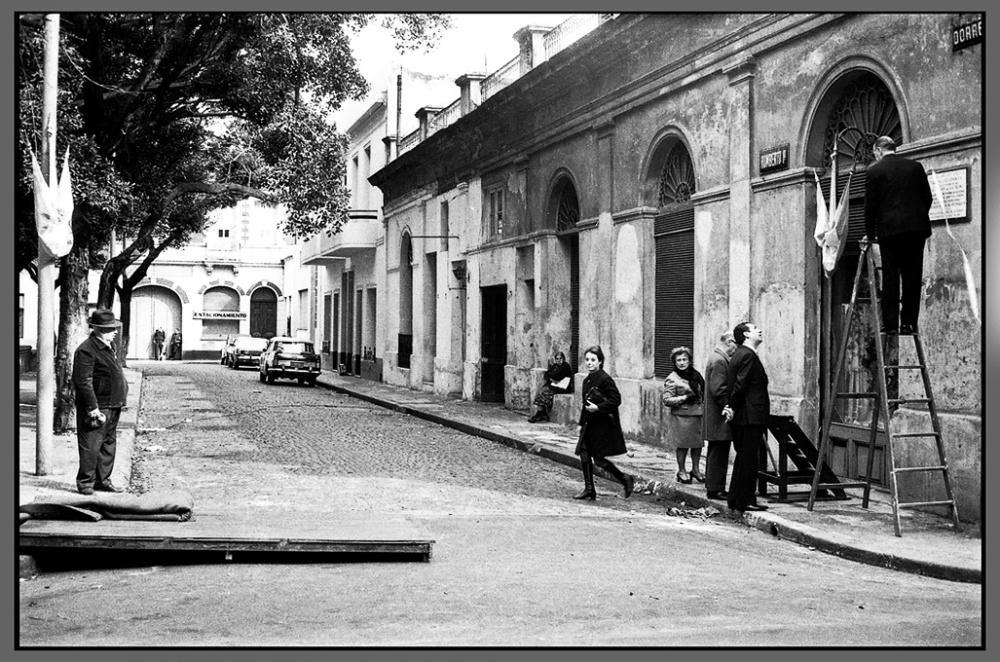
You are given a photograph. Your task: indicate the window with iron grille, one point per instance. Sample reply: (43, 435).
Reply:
(674, 236)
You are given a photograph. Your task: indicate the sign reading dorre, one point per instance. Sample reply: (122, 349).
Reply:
(774, 159)
(220, 315)
(967, 34)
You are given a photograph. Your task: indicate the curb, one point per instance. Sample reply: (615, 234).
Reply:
(771, 524)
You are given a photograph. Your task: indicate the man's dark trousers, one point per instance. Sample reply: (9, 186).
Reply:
(902, 259)
(716, 465)
(747, 441)
(97, 448)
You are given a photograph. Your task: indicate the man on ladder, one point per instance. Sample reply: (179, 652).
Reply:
(897, 201)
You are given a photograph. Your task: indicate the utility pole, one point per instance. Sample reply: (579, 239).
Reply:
(47, 262)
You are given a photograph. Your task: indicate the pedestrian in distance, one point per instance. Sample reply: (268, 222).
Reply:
(101, 391)
(175, 345)
(747, 410)
(601, 434)
(684, 394)
(159, 336)
(897, 201)
(716, 430)
(558, 378)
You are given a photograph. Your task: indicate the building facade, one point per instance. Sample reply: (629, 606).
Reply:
(654, 183)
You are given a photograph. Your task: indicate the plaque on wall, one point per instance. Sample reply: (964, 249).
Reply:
(774, 159)
(954, 189)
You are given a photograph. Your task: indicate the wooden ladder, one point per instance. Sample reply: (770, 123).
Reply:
(887, 374)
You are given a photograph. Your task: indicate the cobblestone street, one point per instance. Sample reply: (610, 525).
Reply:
(516, 561)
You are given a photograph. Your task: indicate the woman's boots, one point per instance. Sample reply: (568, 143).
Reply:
(588, 481)
(589, 492)
(625, 479)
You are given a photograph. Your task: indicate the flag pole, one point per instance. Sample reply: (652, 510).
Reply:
(827, 292)
(44, 412)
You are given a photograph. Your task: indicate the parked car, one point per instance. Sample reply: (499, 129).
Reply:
(243, 350)
(289, 358)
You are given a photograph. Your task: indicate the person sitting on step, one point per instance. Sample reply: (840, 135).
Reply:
(558, 378)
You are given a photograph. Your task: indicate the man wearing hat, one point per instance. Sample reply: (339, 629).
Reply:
(101, 390)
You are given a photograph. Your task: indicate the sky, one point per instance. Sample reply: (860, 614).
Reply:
(473, 39)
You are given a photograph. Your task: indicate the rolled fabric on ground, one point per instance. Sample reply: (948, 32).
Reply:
(162, 505)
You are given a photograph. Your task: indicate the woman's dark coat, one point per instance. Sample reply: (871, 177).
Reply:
(602, 430)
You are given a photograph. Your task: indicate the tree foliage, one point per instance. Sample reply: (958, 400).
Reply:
(169, 116)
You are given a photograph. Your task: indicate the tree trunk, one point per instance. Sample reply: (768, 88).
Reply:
(125, 297)
(73, 329)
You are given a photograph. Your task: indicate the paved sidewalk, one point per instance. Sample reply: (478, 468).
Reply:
(929, 545)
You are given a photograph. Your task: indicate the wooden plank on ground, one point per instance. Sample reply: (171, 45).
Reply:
(371, 533)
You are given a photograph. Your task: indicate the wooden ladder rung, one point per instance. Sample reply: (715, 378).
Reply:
(915, 434)
(856, 396)
(909, 401)
(914, 504)
(913, 469)
(905, 367)
(839, 486)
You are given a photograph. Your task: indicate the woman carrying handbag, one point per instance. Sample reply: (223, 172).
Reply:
(684, 394)
(600, 428)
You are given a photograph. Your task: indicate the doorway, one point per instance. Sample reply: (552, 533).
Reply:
(494, 343)
(263, 313)
(152, 307)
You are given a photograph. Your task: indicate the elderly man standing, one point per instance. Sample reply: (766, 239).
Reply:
(715, 428)
(747, 410)
(101, 391)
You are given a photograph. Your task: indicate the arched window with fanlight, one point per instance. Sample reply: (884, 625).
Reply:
(671, 180)
(563, 213)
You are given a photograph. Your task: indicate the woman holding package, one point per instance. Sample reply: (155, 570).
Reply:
(600, 428)
(558, 379)
(684, 394)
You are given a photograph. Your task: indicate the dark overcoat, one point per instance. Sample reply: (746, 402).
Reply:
(748, 395)
(714, 426)
(97, 376)
(897, 198)
(601, 431)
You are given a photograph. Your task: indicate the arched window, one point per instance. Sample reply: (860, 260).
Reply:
(567, 206)
(676, 176)
(671, 177)
(220, 304)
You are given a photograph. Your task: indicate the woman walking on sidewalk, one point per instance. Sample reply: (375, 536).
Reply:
(600, 428)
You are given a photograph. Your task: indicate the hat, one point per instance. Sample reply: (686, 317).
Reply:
(104, 319)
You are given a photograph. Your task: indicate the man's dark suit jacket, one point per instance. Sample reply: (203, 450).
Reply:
(897, 198)
(748, 396)
(99, 380)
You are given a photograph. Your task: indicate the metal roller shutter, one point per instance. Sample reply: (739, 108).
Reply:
(674, 236)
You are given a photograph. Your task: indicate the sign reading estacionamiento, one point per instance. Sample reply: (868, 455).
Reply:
(220, 315)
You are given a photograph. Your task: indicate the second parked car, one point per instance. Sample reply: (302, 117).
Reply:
(243, 350)
(289, 358)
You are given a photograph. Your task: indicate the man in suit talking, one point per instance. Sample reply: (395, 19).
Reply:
(747, 408)
(897, 201)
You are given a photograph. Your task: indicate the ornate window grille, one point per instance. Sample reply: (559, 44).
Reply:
(867, 105)
(568, 210)
(676, 177)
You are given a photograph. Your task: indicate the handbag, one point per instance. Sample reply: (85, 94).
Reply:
(595, 396)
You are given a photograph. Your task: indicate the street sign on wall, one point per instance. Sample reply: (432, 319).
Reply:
(967, 34)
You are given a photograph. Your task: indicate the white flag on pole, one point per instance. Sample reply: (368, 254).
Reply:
(831, 229)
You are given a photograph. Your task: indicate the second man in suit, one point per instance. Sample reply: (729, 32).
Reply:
(747, 409)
